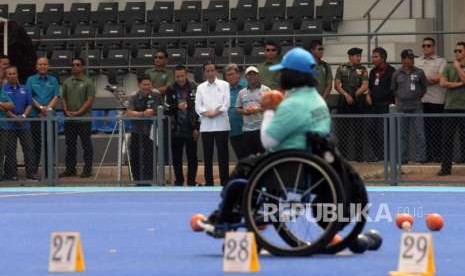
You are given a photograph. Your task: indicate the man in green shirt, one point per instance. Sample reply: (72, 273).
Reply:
(77, 100)
(270, 78)
(351, 82)
(161, 76)
(453, 79)
(323, 73)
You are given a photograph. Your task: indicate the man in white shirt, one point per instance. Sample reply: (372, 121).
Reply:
(433, 100)
(211, 103)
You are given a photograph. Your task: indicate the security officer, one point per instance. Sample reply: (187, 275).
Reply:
(351, 82)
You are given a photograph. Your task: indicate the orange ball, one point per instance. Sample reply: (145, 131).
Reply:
(336, 239)
(404, 217)
(194, 222)
(271, 99)
(435, 222)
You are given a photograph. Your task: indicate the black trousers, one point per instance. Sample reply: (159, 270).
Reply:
(432, 137)
(221, 140)
(376, 131)
(39, 137)
(177, 146)
(141, 154)
(253, 144)
(236, 143)
(83, 130)
(450, 125)
(25, 139)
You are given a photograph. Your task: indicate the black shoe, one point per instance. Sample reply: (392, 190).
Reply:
(86, 174)
(443, 172)
(67, 174)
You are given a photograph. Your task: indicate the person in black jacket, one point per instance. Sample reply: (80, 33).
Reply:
(380, 97)
(180, 97)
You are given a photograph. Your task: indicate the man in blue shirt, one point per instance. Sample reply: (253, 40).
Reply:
(45, 94)
(233, 76)
(22, 100)
(5, 105)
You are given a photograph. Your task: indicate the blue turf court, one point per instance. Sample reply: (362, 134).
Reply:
(146, 231)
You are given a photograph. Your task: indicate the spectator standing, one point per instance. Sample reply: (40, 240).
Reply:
(381, 96)
(272, 56)
(249, 105)
(4, 63)
(45, 96)
(453, 79)
(19, 130)
(161, 76)
(180, 98)
(409, 85)
(5, 105)
(323, 74)
(212, 103)
(351, 81)
(78, 98)
(433, 100)
(233, 77)
(143, 104)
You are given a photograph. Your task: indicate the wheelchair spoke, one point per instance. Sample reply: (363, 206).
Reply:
(309, 190)
(268, 195)
(281, 183)
(296, 183)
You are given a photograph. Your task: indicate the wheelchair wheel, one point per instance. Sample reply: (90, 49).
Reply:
(281, 192)
(354, 228)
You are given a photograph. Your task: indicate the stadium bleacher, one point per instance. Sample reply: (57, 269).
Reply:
(168, 26)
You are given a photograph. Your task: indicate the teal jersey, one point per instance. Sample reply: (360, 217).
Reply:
(4, 98)
(303, 111)
(43, 90)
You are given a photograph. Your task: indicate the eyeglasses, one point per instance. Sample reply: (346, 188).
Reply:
(77, 65)
(271, 50)
(458, 51)
(427, 45)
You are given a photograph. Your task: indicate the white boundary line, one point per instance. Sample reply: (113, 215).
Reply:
(37, 194)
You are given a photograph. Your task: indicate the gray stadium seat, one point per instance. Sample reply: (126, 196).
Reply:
(167, 29)
(231, 55)
(176, 56)
(217, 11)
(107, 12)
(246, 10)
(54, 32)
(4, 11)
(308, 27)
(163, 11)
(201, 56)
(272, 11)
(251, 28)
(144, 57)
(191, 11)
(223, 29)
(199, 30)
(300, 10)
(51, 14)
(25, 14)
(256, 56)
(79, 14)
(134, 13)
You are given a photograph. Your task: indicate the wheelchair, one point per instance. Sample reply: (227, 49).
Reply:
(296, 201)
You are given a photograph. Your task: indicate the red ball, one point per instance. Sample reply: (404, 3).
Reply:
(435, 222)
(336, 239)
(271, 99)
(194, 222)
(403, 217)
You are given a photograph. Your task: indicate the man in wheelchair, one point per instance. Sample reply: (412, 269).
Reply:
(301, 118)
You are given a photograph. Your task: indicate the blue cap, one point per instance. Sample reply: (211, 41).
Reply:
(296, 59)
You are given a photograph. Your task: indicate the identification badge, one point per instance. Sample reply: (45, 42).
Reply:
(377, 80)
